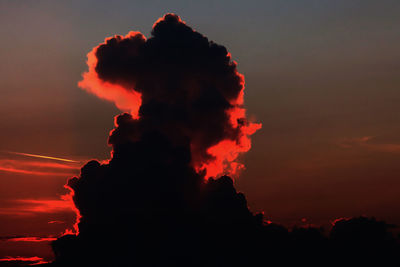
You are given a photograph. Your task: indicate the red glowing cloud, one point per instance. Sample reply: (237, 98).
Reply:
(124, 98)
(226, 152)
(180, 71)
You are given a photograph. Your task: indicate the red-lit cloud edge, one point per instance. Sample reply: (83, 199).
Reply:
(224, 154)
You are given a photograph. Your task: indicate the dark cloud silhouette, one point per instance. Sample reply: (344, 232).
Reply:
(178, 83)
(156, 195)
(365, 240)
(154, 203)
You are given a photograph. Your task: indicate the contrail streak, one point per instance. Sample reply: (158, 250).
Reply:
(41, 156)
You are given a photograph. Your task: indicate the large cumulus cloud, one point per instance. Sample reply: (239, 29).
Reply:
(157, 202)
(179, 83)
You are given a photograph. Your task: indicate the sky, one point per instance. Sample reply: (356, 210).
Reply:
(321, 76)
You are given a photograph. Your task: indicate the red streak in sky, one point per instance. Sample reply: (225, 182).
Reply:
(31, 239)
(33, 172)
(21, 259)
(34, 260)
(36, 167)
(26, 207)
(56, 222)
(51, 165)
(41, 156)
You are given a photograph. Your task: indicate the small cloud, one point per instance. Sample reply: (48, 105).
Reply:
(56, 222)
(352, 142)
(370, 143)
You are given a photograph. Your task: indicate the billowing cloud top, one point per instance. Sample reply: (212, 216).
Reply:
(178, 83)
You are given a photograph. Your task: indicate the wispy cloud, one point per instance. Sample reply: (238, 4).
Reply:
(36, 173)
(56, 222)
(370, 143)
(30, 239)
(27, 207)
(38, 168)
(27, 239)
(28, 260)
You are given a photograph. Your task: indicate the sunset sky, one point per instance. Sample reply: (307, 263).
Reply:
(323, 77)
